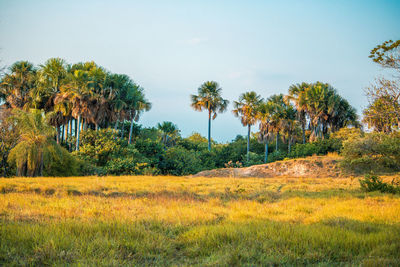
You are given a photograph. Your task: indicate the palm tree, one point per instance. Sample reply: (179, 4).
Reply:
(35, 145)
(317, 107)
(51, 77)
(209, 98)
(297, 93)
(277, 103)
(264, 112)
(246, 108)
(327, 110)
(16, 86)
(78, 93)
(289, 122)
(170, 132)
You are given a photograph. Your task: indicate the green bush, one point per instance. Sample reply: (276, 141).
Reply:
(320, 147)
(276, 155)
(377, 152)
(180, 161)
(106, 153)
(254, 159)
(372, 183)
(65, 164)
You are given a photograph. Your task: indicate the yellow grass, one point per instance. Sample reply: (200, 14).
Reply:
(190, 202)
(182, 200)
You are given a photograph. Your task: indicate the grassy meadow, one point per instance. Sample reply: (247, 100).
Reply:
(183, 221)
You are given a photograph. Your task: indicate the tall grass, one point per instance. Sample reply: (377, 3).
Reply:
(196, 221)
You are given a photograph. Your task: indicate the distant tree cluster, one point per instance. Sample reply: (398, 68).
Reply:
(60, 119)
(316, 108)
(70, 98)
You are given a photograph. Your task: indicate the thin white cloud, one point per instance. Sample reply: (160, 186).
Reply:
(196, 41)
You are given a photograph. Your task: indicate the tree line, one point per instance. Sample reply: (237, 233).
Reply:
(93, 113)
(314, 107)
(75, 97)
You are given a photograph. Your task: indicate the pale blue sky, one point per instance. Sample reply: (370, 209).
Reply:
(171, 47)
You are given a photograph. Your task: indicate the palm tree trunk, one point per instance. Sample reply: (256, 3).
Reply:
(248, 142)
(130, 132)
(303, 128)
(209, 130)
(58, 135)
(62, 133)
(277, 140)
(266, 152)
(77, 133)
(70, 133)
(76, 127)
(65, 132)
(290, 143)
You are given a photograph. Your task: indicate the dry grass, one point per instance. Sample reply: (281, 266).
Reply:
(197, 221)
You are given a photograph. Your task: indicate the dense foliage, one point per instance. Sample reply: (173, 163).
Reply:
(62, 119)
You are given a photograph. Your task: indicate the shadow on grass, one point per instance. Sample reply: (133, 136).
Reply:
(337, 241)
(261, 196)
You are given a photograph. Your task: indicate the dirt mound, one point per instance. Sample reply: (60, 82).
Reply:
(316, 166)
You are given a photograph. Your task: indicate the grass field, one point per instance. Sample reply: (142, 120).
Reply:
(179, 221)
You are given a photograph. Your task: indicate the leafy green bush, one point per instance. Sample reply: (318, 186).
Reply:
(376, 152)
(276, 155)
(106, 153)
(320, 147)
(180, 161)
(254, 159)
(372, 183)
(64, 164)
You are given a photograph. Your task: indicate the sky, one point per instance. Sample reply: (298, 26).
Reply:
(171, 47)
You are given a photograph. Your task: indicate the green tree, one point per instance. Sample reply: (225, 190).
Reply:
(387, 54)
(383, 112)
(246, 108)
(170, 133)
(297, 93)
(277, 103)
(264, 113)
(15, 87)
(8, 140)
(209, 98)
(35, 145)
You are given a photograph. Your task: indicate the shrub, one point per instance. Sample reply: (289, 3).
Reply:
(105, 153)
(254, 159)
(376, 152)
(372, 183)
(180, 161)
(65, 164)
(276, 155)
(320, 147)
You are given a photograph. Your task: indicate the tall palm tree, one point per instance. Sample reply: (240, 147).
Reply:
(16, 86)
(317, 107)
(289, 123)
(51, 77)
(264, 113)
(209, 98)
(77, 91)
(297, 93)
(277, 103)
(246, 108)
(35, 145)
